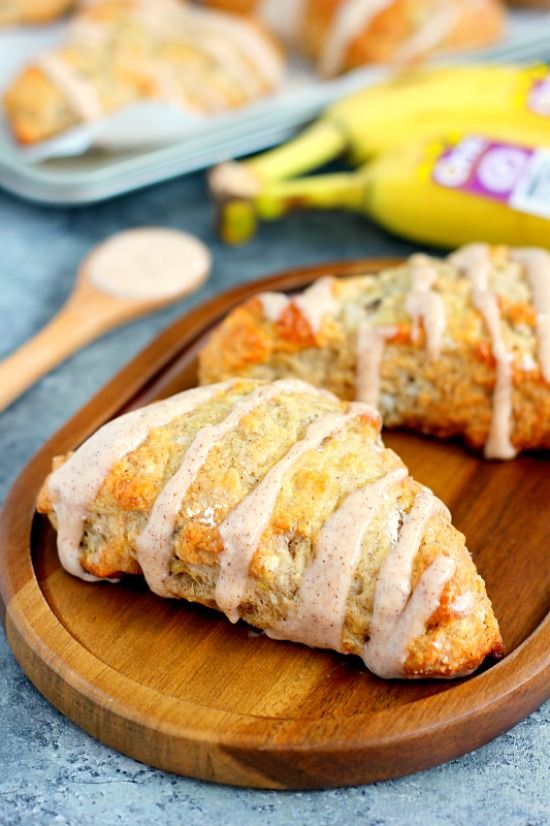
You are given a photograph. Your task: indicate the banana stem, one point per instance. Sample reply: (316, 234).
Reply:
(238, 219)
(318, 144)
(342, 190)
(235, 186)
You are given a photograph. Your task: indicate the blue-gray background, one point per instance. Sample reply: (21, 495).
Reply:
(50, 771)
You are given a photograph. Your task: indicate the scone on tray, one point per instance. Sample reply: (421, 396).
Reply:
(278, 504)
(120, 52)
(450, 347)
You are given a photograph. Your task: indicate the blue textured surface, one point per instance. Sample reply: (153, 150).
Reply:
(50, 771)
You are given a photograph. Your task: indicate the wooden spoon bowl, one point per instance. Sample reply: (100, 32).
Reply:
(131, 274)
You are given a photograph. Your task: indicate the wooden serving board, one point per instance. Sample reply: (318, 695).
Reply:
(175, 685)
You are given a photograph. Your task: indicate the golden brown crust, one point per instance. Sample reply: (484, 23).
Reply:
(36, 108)
(351, 458)
(32, 11)
(537, 4)
(233, 6)
(445, 396)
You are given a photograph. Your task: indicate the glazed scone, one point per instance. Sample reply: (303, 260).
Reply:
(343, 34)
(13, 12)
(120, 52)
(459, 346)
(278, 504)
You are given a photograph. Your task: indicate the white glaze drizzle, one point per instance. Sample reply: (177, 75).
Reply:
(285, 17)
(475, 261)
(317, 301)
(371, 342)
(80, 92)
(154, 544)
(398, 616)
(273, 305)
(222, 52)
(352, 17)
(242, 529)
(314, 303)
(431, 35)
(423, 304)
(317, 616)
(169, 90)
(74, 486)
(537, 268)
(386, 654)
(251, 41)
(176, 21)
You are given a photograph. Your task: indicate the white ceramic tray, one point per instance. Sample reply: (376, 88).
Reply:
(99, 174)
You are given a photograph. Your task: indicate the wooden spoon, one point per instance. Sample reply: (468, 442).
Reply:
(127, 276)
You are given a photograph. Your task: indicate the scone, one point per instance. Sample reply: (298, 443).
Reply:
(120, 52)
(32, 11)
(342, 34)
(280, 505)
(459, 346)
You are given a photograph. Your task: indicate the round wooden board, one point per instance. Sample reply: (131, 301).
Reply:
(176, 686)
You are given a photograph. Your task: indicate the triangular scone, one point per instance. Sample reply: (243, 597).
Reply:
(459, 346)
(121, 52)
(280, 505)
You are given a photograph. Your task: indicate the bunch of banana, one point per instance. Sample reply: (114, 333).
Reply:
(449, 155)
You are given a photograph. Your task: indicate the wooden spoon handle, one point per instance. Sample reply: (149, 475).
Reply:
(66, 332)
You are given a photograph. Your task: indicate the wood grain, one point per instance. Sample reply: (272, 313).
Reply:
(176, 686)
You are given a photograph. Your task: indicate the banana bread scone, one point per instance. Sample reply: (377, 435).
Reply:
(32, 11)
(459, 346)
(122, 51)
(343, 34)
(278, 504)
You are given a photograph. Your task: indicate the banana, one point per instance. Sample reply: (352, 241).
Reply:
(453, 191)
(443, 191)
(504, 101)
